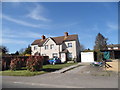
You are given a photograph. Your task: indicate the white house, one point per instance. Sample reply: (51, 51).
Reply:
(64, 47)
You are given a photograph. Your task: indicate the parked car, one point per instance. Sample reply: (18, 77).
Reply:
(54, 60)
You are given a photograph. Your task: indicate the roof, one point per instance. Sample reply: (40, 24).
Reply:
(113, 45)
(57, 40)
(64, 51)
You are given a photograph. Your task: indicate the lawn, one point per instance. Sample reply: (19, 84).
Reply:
(20, 73)
(25, 72)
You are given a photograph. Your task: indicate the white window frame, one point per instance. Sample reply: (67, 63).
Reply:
(69, 45)
(51, 46)
(35, 47)
(46, 47)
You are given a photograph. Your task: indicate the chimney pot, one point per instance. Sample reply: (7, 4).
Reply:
(43, 37)
(66, 34)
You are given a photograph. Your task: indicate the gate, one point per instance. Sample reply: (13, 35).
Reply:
(106, 55)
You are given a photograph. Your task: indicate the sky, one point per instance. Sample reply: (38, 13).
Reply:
(24, 22)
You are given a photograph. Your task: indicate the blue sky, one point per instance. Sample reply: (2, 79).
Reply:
(23, 22)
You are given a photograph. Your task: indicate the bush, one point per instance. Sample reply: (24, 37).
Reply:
(15, 64)
(34, 63)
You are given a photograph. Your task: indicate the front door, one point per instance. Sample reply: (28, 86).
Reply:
(63, 57)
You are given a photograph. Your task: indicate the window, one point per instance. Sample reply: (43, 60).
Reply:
(35, 47)
(46, 47)
(51, 46)
(55, 55)
(43, 54)
(70, 55)
(115, 47)
(69, 44)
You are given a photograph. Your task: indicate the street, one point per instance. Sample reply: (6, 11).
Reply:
(74, 78)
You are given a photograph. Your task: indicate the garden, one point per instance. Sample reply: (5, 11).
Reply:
(28, 66)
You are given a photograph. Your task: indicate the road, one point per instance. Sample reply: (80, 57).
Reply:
(80, 77)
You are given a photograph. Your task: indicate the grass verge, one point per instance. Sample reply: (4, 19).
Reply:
(25, 72)
(20, 73)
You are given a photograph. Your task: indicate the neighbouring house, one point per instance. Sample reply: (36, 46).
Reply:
(113, 47)
(113, 51)
(65, 47)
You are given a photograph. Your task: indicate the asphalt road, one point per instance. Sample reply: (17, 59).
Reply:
(75, 78)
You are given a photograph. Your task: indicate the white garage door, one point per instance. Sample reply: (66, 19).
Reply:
(87, 56)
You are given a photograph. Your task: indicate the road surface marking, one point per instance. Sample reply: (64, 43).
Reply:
(51, 85)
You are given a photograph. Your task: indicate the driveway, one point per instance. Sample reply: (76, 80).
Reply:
(80, 77)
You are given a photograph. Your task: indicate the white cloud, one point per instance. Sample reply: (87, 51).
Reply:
(13, 37)
(13, 41)
(37, 13)
(7, 33)
(112, 26)
(24, 22)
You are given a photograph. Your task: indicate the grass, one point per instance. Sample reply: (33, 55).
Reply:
(58, 66)
(25, 72)
(20, 73)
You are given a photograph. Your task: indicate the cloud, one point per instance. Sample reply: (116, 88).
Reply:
(13, 41)
(7, 33)
(13, 37)
(24, 23)
(37, 13)
(112, 26)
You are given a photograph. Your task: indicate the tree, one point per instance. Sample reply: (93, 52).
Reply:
(21, 51)
(3, 49)
(16, 53)
(82, 48)
(100, 42)
(27, 50)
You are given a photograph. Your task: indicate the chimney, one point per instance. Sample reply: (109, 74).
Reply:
(43, 37)
(66, 34)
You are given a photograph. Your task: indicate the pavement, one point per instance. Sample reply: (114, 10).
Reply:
(68, 68)
(83, 76)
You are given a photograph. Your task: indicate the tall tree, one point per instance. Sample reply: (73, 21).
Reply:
(27, 50)
(21, 51)
(16, 53)
(100, 42)
(82, 48)
(3, 49)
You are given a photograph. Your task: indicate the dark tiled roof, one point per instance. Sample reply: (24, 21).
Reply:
(64, 51)
(113, 45)
(58, 40)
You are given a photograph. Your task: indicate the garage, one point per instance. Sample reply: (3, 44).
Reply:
(87, 56)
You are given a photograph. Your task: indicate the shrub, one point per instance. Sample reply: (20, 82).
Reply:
(15, 64)
(34, 63)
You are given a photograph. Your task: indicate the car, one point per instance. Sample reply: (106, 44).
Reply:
(54, 60)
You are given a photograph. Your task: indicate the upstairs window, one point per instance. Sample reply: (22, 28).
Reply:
(46, 47)
(35, 47)
(51, 46)
(69, 44)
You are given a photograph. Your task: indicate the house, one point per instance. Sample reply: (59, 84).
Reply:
(113, 50)
(113, 47)
(65, 47)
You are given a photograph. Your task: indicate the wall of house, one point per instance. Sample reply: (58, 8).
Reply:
(71, 49)
(49, 52)
(35, 50)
